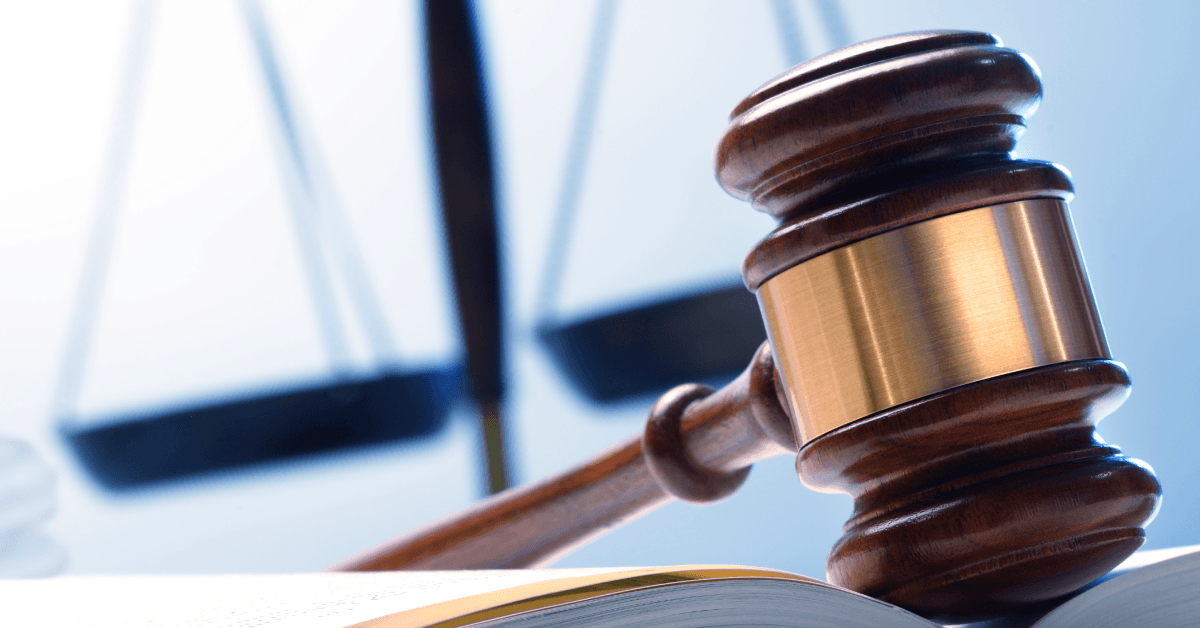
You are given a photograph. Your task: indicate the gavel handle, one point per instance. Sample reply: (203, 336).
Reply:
(698, 446)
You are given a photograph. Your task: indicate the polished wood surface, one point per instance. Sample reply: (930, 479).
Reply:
(972, 501)
(978, 499)
(880, 106)
(975, 501)
(923, 196)
(713, 441)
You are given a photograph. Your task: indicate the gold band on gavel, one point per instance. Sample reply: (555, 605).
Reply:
(928, 307)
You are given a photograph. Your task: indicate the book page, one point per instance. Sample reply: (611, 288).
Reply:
(324, 600)
(1122, 572)
(574, 588)
(1150, 557)
(1160, 592)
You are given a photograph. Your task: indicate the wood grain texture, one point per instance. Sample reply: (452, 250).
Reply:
(970, 502)
(985, 498)
(871, 108)
(905, 197)
(719, 434)
(976, 501)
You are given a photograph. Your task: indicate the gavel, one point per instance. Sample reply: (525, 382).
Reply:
(934, 350)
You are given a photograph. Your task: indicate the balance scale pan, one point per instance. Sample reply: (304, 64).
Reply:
(141, 450)
(699, 337)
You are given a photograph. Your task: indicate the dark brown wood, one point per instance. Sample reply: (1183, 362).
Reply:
(986, 498)
(972, 502)
(880, 135)
(944, 191)
(976, 501)
(719, 434)
(874, 108)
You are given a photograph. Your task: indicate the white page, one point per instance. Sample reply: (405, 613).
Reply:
(1161, 592)
(327, 600)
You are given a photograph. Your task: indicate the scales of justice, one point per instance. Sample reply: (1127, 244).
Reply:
(934, 350)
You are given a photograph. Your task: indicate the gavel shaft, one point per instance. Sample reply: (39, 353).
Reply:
(534, 524)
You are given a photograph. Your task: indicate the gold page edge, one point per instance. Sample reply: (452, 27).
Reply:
(549, 593)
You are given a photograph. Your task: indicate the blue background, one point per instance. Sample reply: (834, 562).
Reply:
(206, 295)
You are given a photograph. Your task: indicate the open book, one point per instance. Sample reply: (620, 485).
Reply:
(1163, 592)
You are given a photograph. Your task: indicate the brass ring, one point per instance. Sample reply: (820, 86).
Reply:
(924, 308)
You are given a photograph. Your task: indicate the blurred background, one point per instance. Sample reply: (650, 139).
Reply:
(205, 295)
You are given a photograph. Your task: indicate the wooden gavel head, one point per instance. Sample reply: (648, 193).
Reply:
(932, 325)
